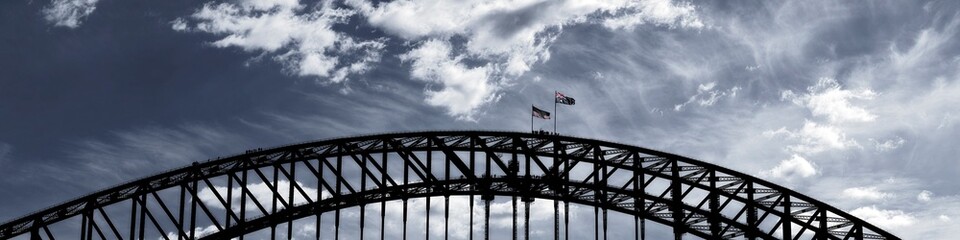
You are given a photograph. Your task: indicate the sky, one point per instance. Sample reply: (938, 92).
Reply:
(854, 103)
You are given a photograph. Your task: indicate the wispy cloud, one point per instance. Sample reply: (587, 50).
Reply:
(68, 13)
(134, 153)
(708, 96)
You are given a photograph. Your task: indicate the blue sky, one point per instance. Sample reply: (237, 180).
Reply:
(851, 102)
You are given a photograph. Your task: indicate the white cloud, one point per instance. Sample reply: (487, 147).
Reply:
(502, 40)
(795, 167)
(865, 193)
(943, 218)
(663, 12)
(179, 25)
(886, 219)
(463, 89)
(925, 196)
(888, 145)
(509, 36)
(303, 39)
(515, 22)
(814, 138)
(828, 99)
(68, 13)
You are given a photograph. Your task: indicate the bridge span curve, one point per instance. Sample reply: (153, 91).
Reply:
(305, 180)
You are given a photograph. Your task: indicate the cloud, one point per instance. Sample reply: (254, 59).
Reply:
(707, 96)
(886, 219)
(888, 145)
(827, 98)
(515, 22)
(927, 49)
(925, 196)
(662, 12)
(130, 153)
(303, 40)
(865, 193)
(506, 38)
(794, 167)
(814, 138)
(68, 13)
(463, 89)
(180, 25)
(472, 49)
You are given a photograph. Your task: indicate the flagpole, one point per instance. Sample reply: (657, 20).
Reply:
(556, 114)
(531, 118)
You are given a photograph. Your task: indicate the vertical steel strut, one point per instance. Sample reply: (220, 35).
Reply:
(526, 220)
(486, 219)
(383, 179)
(446, 201)
(133, 217)
(406, 180)
(275, 198)
(243, 197)
(514, 218)
(597, 195)
(320, 180)
(596, 223)
(336, 219)
(473, 167)
(429, 170)
(363, 207)
(180, 210)
(604, 224)
(292, 181)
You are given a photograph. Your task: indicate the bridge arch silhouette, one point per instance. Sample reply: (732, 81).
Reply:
(692, 197)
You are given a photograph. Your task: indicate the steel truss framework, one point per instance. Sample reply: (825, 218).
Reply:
(693, 197)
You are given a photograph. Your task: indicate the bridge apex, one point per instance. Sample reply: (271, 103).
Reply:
(266, 188)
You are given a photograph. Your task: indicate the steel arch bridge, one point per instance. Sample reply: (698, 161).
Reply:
(306, 180)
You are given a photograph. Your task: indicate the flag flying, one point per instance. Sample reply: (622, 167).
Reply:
(540, 113)
(563, 99)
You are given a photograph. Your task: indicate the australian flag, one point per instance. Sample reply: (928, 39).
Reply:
(540, 113)
(563, 99)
